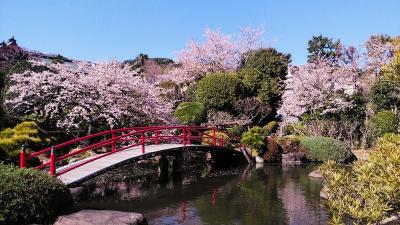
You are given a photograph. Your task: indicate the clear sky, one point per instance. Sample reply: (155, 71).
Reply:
(121, 29)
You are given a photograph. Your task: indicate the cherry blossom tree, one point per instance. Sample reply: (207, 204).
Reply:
(79, 94)
(219, 53)
(380, 51)
(320, 87)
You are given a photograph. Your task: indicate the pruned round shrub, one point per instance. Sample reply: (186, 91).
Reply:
(384, 122)
(325, 148)
(218, 90)
(26, 133)
(208, 139)
(271, 127)
(30, 196)
(190, 113)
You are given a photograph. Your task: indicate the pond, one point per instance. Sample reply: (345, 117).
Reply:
(272, 194)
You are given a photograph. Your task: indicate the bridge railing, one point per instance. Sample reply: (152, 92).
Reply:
(125, 138)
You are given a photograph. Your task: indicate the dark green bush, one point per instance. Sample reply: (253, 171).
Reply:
(218, 90)
(271, 127)
(325, 148)
(384, 122)
(237, 130)
(385, 95)
(190, 113)
(30, 196)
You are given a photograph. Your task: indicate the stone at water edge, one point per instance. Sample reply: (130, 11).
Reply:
(315, 174)
(101, 217)
(323, 194)
(259, 160)
(293, 157)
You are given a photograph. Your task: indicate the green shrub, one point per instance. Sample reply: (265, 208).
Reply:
(325, 148)
(25, 133)
(208, 140)
(237, 130)
(254, 138)
(190, 113)
(271, 127)
(218, 90)
(384, 122)
(371, 190)
(30, 196)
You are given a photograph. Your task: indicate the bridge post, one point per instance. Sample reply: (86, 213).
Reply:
(142, 142)
(113, 143)
(22, 157)
(52, 161)
(214, 138)
(156, 137)
(184, 136)
(188, 134)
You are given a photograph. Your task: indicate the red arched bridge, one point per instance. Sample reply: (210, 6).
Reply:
(126, 144)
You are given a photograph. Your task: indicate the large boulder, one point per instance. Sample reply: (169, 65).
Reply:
(293, 158)
(101, 217)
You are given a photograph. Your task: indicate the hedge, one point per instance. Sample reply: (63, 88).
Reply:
(325, 148)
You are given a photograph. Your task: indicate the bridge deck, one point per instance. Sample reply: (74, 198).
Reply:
(97, 166)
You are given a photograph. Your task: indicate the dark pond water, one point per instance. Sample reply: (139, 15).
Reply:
(272, 194)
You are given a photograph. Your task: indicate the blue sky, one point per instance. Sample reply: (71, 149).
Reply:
(118, 29)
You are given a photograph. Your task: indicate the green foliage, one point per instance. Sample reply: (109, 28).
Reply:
(320, 47)
(12, 139)
(384, 122)
(30, 196)
(218, 90)
(237, 130)
(190, 113)
(263, 72)
(271, 127)
(324, 148)
(254, 138)
(385, 95)
(371, 190)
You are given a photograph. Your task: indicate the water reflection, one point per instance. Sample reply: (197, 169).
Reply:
(273, 194)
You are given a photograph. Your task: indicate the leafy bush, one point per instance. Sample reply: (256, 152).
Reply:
(271, 127)
(30, 196)
(25, 133)
(208, 140)
(237, 130)
(384, 122)
(254, 138)
(218, 90)
(324, 148)
(371, 190)
(190, 113)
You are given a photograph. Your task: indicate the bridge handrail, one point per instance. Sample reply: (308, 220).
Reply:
(120, 139)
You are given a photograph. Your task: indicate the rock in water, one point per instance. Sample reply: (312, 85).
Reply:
(101, 217)
(315, 174)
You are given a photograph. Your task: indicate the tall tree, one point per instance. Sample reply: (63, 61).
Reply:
(263, 73)
(321, 47)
